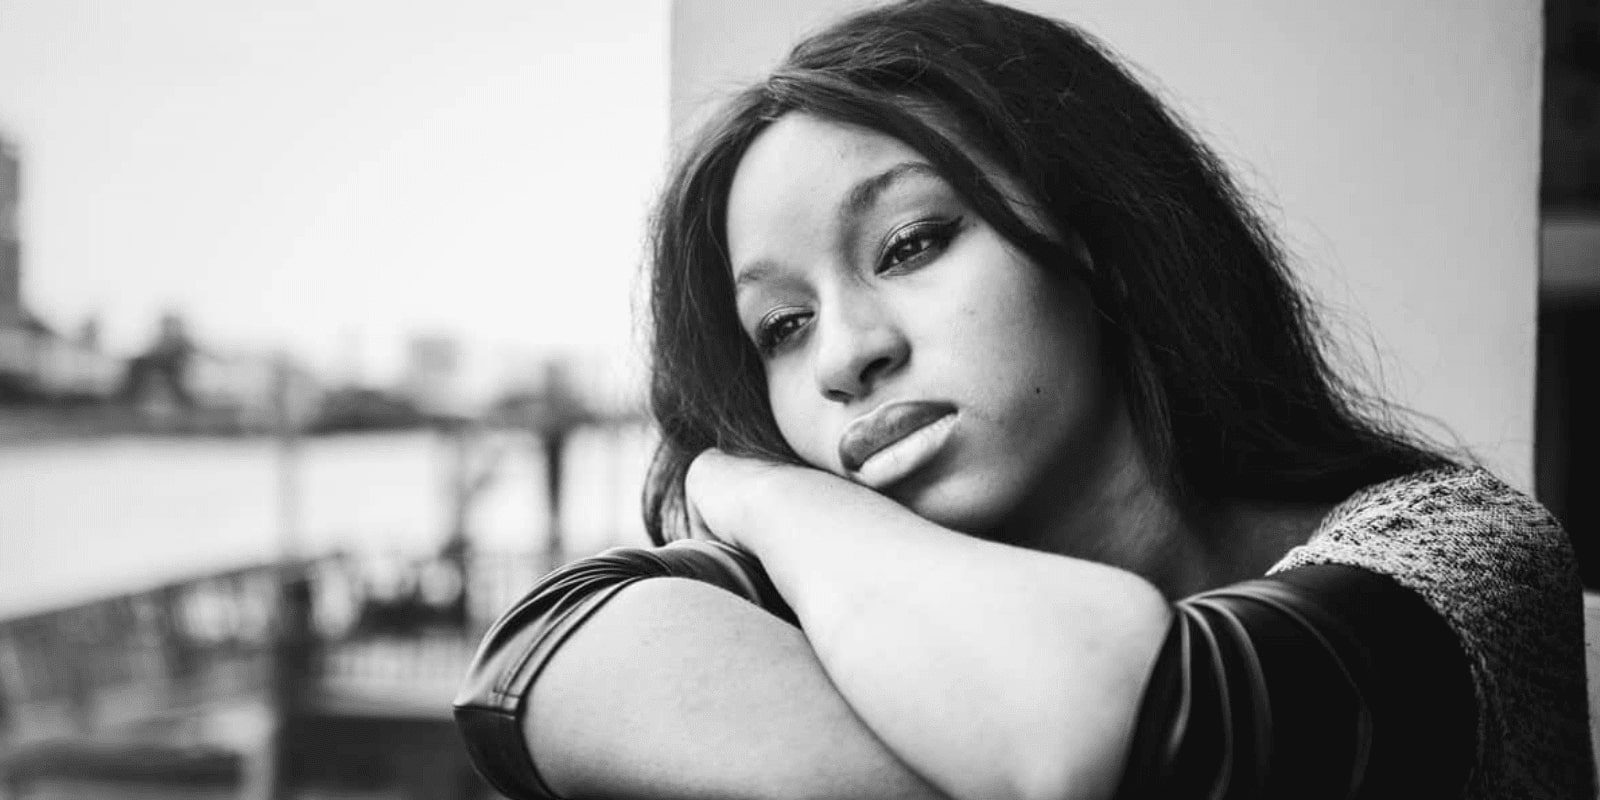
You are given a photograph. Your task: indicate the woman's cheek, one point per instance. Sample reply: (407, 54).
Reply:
(803, 429)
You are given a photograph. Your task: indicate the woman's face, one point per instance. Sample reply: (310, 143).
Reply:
(908, 346)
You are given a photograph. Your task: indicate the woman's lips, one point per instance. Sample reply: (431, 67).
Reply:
(894, 439)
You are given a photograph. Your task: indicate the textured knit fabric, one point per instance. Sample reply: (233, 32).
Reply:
(1501, 572)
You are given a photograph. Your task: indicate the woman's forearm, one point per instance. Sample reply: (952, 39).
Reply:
(994, 671)
(679, 689)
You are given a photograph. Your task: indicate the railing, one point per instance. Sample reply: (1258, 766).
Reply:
(107, 663)
(339, 623)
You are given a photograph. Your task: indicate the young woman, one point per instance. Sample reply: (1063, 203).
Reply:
(1000, 460)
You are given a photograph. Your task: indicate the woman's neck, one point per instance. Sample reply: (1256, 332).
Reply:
(1120, 514)
(1260, 533)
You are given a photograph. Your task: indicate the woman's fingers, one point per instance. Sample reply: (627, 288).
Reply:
(720, 489)
(706, 488)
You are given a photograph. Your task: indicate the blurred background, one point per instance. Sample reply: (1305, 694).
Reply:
(317, 341)
(316, 348)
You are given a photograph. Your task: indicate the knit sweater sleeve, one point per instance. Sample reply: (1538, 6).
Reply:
(1500, 570)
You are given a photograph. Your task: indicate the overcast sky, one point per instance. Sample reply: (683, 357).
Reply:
(331, 176)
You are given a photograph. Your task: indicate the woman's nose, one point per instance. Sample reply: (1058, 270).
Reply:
(860, 344)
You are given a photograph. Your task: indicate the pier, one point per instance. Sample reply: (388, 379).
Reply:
(325, 678)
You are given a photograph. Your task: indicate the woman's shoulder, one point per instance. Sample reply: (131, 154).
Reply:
(1442, 526)
(1486, 556)
(1500, 570)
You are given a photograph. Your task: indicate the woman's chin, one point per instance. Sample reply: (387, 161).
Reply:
(967, 509)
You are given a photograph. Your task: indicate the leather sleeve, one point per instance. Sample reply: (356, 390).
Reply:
(1319, 682)
(491, 702)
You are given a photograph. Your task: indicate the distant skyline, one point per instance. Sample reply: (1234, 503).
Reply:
(334, 177)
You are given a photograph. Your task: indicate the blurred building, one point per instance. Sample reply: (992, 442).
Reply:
(10, 246)
(257, 392)
(36, 362)
(433, 380)
(159, 377)
(363, 408)
(177, 385)
(39, 364)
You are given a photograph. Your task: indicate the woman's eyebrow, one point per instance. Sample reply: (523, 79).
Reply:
(856, 201)
(756, 272)
(865, 193)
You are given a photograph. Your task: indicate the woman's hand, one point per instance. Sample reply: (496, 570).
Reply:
(735, 499)
(714, 490)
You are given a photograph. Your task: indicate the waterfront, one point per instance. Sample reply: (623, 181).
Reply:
(87, 518)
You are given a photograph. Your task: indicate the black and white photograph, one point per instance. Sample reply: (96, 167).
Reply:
(906, 400)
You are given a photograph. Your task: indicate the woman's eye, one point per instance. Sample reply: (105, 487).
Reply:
(914, 241)
(777, 328)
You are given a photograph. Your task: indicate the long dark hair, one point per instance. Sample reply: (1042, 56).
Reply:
(1214, 345)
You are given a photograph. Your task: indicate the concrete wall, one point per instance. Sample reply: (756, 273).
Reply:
(1394, 143)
